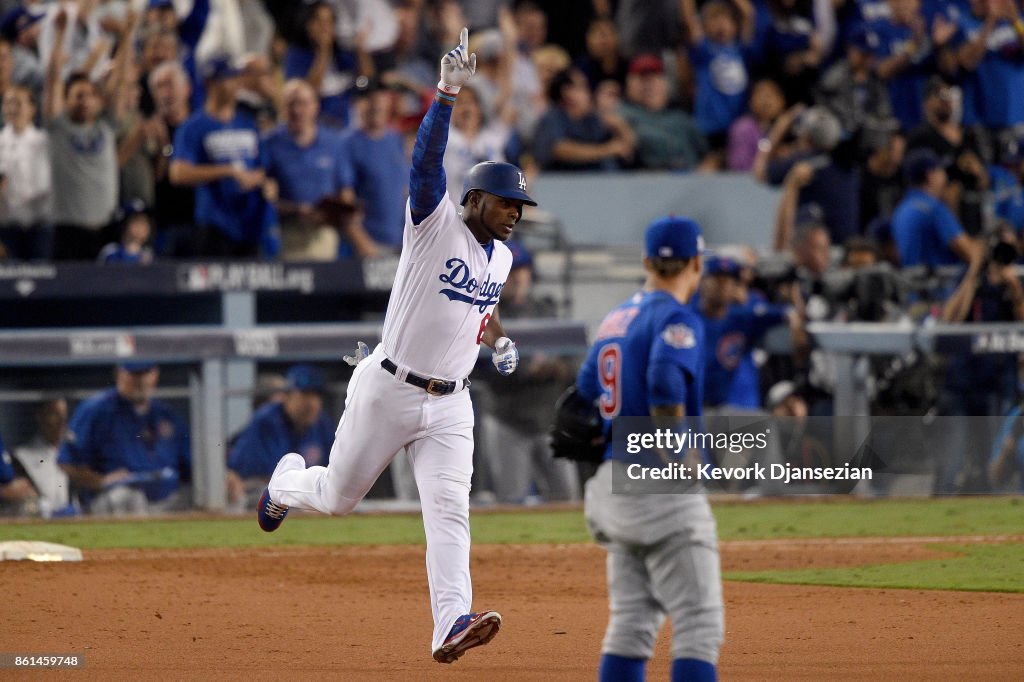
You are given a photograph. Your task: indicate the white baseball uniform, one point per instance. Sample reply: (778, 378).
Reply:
(445, 290)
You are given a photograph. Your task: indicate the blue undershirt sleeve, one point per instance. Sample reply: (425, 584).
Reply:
(427, 182)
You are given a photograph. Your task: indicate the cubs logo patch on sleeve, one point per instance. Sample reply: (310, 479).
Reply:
(679, 336)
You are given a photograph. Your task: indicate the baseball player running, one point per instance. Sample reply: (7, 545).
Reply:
(411, 391)
(662, 548)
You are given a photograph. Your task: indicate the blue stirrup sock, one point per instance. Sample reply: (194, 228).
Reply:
(693, 670)
(621, 669)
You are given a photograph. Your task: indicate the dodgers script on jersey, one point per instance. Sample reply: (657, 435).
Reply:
(445, 291)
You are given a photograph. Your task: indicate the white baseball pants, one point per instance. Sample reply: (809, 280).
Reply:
(382, 416)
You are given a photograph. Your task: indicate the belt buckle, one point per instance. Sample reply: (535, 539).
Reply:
(437, 387)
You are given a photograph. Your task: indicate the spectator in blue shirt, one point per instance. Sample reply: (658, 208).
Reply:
(297, 423)
(218, 152)
(133, 248)
(15, 490)
(989, 50)
(380, 167)
(127, 452)
(908, 52)
(329, 69)
(925, 231)
(309, 163)
(719, 49)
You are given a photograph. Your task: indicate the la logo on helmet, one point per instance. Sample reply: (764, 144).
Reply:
(522, 181)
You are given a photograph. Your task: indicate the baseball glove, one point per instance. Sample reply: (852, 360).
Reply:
(578, 431)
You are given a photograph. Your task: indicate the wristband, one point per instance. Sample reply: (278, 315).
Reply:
(448, 89)
(442, 95)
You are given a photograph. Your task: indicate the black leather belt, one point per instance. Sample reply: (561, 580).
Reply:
(431, 386)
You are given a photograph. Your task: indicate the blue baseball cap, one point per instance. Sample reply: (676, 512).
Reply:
(863, 38)
(16, 20)
(130, 209)
(673, 237)
(138, 366)
(722, 265)
(304, 378)
(918, 163)
(219, 68)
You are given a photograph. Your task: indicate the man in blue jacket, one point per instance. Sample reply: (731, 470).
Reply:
(296, 423)
(125, 451)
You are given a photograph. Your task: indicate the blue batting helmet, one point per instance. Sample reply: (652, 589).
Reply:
(498, 178)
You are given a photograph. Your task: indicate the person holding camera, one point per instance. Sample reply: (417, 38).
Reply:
(830, 180)
(962, 148)
(979, 384)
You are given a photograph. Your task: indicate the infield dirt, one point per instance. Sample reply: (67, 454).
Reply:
(361, 613)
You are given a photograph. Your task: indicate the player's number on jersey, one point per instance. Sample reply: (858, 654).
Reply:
(609, 370)
(483, 328)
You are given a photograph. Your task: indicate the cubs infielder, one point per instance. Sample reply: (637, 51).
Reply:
(662, 549)
(411, 391)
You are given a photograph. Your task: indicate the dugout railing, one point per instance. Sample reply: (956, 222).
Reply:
(221, 367)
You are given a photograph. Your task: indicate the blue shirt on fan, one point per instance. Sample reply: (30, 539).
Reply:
(106, 434)
(381, 170)
(270, 434)
(244, 216)
(647, 354)
(308, 174)
(994, 92)
(906, 89)
(722, 81)
(923, 228)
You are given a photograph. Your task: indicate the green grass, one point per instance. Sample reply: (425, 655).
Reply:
(985, 568)
(979, 567)
(300, 529)
(756, 520)
(817, 517)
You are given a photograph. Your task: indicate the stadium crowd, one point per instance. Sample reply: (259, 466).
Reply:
(246, 128)
(142, 129)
